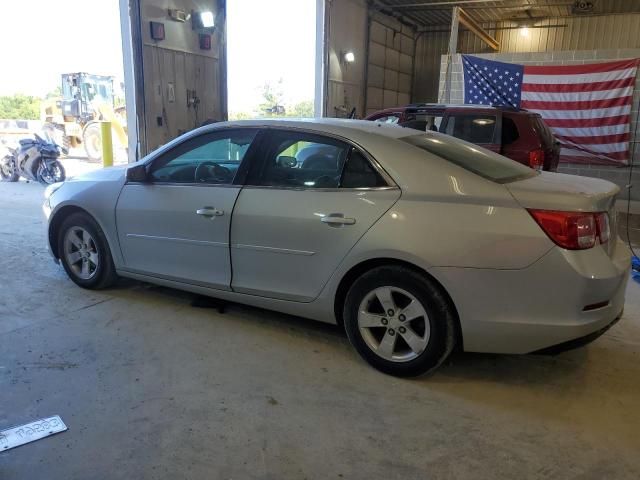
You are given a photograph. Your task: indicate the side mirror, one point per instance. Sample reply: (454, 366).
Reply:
(137, 174)
(287, 162)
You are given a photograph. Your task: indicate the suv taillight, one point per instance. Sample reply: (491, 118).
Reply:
(573, 230)
(604, 230)
(536, 159)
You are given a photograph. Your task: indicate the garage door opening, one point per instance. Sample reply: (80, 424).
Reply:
(271, 58)
(61, 81)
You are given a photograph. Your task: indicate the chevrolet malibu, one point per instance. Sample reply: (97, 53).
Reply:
(417, 243)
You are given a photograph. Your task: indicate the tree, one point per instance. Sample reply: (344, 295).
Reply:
(240, 116)
(304, 109)
(55, 93)
(19, 107)
(272, 95)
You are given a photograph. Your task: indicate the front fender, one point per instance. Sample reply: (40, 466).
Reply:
(97, 199)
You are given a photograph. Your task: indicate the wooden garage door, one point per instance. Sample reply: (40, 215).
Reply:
(389, 71)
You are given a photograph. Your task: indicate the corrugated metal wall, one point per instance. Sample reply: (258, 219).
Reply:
(575, 33)
(579, 33)
(390, 66)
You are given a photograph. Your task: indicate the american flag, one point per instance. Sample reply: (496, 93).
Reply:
(588, 107)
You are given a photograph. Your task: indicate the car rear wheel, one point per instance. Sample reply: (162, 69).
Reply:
(84, 252)
(399, 321)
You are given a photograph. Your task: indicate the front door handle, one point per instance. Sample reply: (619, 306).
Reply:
(209, 212)
(337, 220)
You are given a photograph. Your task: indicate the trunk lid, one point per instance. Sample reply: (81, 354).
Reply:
(569, 193)
(559, 191)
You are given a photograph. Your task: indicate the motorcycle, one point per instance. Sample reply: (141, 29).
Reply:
(34, 159)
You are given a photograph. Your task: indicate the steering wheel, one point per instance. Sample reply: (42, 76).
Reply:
(206, 171)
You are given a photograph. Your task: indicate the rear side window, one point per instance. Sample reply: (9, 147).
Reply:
(475, 159)
(509, 131)
(472, 128)
(301, 160)
(359, 173)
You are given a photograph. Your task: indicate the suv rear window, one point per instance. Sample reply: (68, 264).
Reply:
(542, 130)
(472, 128)
(475, 159)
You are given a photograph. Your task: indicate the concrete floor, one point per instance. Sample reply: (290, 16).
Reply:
(151, 387)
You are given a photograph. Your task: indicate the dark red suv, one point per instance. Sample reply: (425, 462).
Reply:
(517, 134)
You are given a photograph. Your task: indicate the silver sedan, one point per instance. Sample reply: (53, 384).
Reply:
(418, 243)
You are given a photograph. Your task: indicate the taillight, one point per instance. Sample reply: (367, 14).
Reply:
(604, 230)
(573, 230)
(536, 159)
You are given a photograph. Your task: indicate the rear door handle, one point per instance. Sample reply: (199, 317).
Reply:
(337, 220)
(209, 212)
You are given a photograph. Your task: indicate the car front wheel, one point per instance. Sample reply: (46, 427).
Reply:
(399, 321)
(84, 252)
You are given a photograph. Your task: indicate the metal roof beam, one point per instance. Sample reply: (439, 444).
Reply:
(472, 25)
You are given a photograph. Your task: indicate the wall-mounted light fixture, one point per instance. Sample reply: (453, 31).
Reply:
(204, 20)
(178, 15)
(348, 57)
(207, 19)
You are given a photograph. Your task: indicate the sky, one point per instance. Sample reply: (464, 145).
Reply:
(63, 36)
(266, 41)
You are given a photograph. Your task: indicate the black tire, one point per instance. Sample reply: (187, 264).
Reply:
(104, 274)
(439, 315)
(8, 171)
(92, 139)
(60, 175)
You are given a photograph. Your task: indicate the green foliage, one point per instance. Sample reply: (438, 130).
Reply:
(303, 109)
(19, 107)
(55, 93)
(272, 95)
(240, 116)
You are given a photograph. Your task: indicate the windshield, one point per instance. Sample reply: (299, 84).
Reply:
(476, 159)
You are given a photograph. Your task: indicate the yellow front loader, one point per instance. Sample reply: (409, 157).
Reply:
(73, 119)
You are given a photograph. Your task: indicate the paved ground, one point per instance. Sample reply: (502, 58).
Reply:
(151, 387)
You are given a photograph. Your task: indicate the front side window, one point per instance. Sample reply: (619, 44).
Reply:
(211, 158)
(302, 160)
(472, 128)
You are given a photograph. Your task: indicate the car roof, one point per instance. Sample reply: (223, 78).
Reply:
(337, 126)
(443, 106)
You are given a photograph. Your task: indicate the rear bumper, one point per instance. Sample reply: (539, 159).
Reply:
(578, 342)
(522, 311)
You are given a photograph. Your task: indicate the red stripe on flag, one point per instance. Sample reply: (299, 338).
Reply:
(587, 122)
(580, 105)
(616, 138)
(578, 69)
(611, 155)
(587, 160)
(578, 87)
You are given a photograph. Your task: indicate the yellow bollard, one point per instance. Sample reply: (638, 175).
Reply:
(107, 144)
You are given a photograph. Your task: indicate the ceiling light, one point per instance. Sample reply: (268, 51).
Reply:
(207, 19)
(349, 57)
(524, 32)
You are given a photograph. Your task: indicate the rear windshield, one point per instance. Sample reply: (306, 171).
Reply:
(476, 159)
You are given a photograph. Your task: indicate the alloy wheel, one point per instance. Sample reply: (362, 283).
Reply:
(394, 324)
(81, 252)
